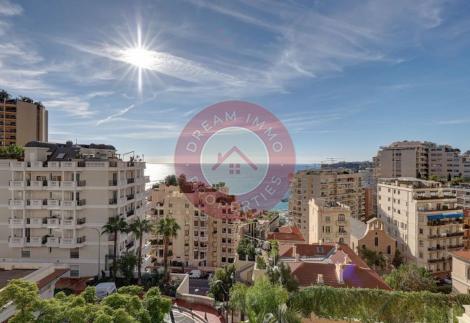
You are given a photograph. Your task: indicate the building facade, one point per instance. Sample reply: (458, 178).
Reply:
(329, 222)
(55, 203)
(424, 218)
(205, 240)
(22, 122)
(461, 271)
(341, 186)
(372, 235)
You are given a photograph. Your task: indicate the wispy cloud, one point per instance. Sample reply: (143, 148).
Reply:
(115, 115)
(10, 9)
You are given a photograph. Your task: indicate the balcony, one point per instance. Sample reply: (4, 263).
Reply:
(53, 204)
(17, 184)
(35, 204)
(14, 242)
(72, 243)
(16, 165)
(68, 184)
(130, 197)
(16, 223)
(34, 222)
(17, 204)
(34, 241)
(112, 201)
(52, 222)
(53, 184)
(52, 242)
(131, 180)
(130, 213)
(113, 182)
(36, 184)
(203, 239)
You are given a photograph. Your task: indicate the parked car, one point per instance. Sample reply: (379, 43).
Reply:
(195, 273)
(105, 289)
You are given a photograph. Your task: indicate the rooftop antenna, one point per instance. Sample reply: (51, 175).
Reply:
(128, 153)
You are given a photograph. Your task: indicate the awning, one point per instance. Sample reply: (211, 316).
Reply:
(445, 216)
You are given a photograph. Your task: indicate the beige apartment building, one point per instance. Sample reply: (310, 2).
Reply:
(328, 222)
(461, 271)
(424, 218)
(418, 159)
(209, 221)
(341, 186)
(22, 122)
(55, 203)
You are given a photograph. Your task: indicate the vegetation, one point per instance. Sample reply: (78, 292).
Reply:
(124, 306)
(126, 265)
(222, 282)
(372, 258)
(11, 152)
(260, 262)
(375, 305)
(397, 260)
(246, 250)
(281, 274)
(264, 302)
(114, 226)
(4, 95)
(168, 229)
(274, 252)
(171, 180)
(410, 278)
(140, 227)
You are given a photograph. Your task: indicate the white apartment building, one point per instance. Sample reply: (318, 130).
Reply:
(424, 218)
(206, 240)
(55, 203)
(328, 222)
(341, 186)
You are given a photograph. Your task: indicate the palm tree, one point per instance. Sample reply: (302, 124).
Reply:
(140, 227)
(168, 228)
(115, 225)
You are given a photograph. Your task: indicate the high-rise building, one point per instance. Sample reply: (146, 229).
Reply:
(22, 122)
(209, 220)
(417, 159)
(55, 203)
(424, 218)
(328, 222)
(341, 186)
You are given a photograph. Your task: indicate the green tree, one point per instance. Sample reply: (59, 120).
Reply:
(274, 252)
(397, 260)
(372, 258)
(246, 250)
(260, 262)
(168, 229)
(114, 226)
(171, 180)
(4, 95)
(25, 296)
(126, 265)
(11, 152)
(410, 277)
(140, 227)
(221, 283)
(238, 298)
(281, 274)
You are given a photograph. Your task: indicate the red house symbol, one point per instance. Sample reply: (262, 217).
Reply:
(233, 168)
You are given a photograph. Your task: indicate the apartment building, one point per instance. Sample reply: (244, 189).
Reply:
(461, 271)
(424, 218)
(328, 222)
(210, 224)
(55, 203)
(22, 122)
(417, 159)
(341, 186)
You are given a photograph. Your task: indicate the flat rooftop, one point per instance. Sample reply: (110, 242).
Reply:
(7, 275)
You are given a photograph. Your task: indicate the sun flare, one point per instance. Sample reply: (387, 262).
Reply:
(138, 57)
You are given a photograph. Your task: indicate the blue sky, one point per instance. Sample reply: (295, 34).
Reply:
(344, 76)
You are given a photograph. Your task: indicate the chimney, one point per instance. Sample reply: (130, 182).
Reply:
(320, 280)
(294, 253)
(339, 273)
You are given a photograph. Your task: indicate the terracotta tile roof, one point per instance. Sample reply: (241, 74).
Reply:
(356, 273)
(462, 254)
(287, 233)
(51, 277)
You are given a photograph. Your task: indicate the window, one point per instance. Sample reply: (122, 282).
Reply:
(74, 253)
(376, 241)
(389, 250)
(74, 271)
(25, 253)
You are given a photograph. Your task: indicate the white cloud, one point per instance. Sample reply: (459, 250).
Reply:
(10, 9)
(72, 105)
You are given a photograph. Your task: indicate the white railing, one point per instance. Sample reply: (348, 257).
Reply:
(35, 241)
(53, 203)
(36, 164)
(17, 203)
(52, 241)
(67, 241)
(53, 184)
(68, 164)
(18, 222)
(68, 184)
(66, 203)
(16, 241)
(37, 222)
(53, 164)
(17, 165)
(97, 164)
(35, 203)
(52, 222)
(123, 182)
(35, 184)
(203, 239)
(16, 183)
(68, 222)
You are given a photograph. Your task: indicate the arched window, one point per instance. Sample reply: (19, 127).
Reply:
(376, 241)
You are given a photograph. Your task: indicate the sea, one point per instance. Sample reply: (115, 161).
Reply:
(158, 171)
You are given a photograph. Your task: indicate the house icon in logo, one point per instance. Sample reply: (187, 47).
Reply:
(234, 168)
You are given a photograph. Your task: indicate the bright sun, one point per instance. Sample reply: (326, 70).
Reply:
(139, 57)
